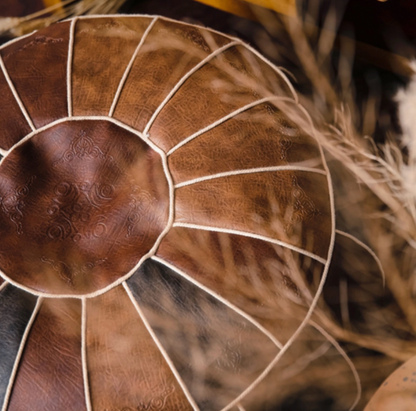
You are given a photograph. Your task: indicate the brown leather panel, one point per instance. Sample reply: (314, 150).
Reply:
(13, 124)
(50, 371)
(263, 279)
(103, 49)
(171, 50)
(223, 85)
(259, 137)
(185, 318)
(81, 203)
(289, 206)
(37, 66)
(16, 309)
(126, 369)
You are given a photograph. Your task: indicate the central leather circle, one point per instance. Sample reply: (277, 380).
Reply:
(80, 204)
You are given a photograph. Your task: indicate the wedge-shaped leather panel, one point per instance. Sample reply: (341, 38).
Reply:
(13, 125)
(50, 370)
(103, 48)
(126, 369)
(16, 308)
(170, 51)
(217, 352)
(263, 136)
(37, 66)
(245, 271)
(224, 84)
(289, 206)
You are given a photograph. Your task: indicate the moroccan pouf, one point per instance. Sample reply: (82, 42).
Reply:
(148, 180)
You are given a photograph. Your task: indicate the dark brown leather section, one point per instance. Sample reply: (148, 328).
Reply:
(81, 203)
(50, 370)
(126, 369)
(13, 124)
(16, 308)
(223, 85)
(171, 50)
(37, 66)
(285, 205)
(102, 50)
(212, 346)
(259, 137)
(263, 279)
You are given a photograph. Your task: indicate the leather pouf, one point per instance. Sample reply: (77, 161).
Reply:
(148, 182)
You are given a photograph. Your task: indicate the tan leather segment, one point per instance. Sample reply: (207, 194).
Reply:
(263, 279)
(13, 124)
(262, 136)
(50, 371)
(126, 369)
(37, 66)
(81, 203)
(290, 206)
(171, 49)
(103, 48)
(223, 85)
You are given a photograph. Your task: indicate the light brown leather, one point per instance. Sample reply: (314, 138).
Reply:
(127, 370)
(83, 200)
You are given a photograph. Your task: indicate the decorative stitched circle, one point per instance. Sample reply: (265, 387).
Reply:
(153, 190)
(81, 203)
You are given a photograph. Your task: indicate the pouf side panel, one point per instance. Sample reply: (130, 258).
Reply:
(37, 66)
(245, 271)
(50, 371)
(103, 47)
(169, 52)
(217, 351)
(221, 86)
(13, 124)
(263, 137)
(289, 206)
(16, 309)
(126, 369)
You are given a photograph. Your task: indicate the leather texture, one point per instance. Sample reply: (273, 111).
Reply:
(211, 345)
(50, 370)
(86, 211)
(127, 370)
(152, 211)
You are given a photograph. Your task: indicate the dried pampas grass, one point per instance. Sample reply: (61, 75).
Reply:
(18, 26)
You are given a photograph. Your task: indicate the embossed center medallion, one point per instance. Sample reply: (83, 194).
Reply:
(80, 204)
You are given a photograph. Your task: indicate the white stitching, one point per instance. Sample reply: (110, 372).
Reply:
(252, 235)
(20, 353)
(250, 171)
(16, 94)
(230, 305)
(129, 66)
(161, 349)
(224, 119)
(69, 65)
(84, 355)
(183, 80)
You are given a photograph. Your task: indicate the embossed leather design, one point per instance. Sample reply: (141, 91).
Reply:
(152, 192)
